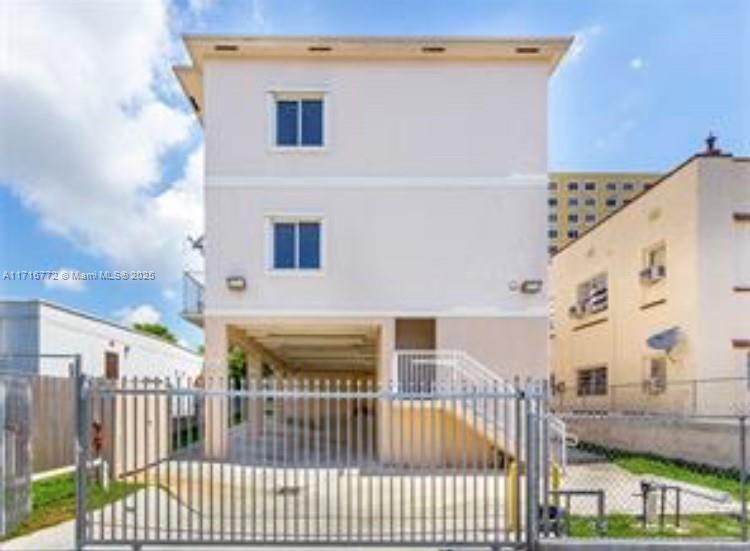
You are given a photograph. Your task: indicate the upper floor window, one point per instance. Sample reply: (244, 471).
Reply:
(572, 201)
(552, 186)
(611, 202)
(552, 201)
(299, 120)
(611, 186)
(590, 202)
(654, 263)
(628, 186)
(296, 244)
(572, 186)
(590, 186)
(592, 296)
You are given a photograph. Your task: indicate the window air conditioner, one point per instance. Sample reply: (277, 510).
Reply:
(653, 274)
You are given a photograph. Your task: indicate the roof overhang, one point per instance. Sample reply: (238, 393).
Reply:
(546, 50)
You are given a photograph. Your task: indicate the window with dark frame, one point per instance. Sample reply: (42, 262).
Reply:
(592, 381)
(299, 122)
(296, 245)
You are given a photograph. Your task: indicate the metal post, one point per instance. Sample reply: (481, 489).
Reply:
(81, 446)
(545, 457)
(695, 396)
(743, 476)
(532, 442)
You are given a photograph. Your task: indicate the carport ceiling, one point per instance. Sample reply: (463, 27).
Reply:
(320, 347)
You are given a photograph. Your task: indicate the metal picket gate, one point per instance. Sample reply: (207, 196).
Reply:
(305, 462)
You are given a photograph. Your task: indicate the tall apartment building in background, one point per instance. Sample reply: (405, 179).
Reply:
(651, 308)
(578, 200)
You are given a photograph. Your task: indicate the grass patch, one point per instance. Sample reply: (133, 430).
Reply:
(699, 526)
(723, 480)
(54, 501)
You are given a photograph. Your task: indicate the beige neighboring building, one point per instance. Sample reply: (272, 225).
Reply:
(579, 200)
(658, 295)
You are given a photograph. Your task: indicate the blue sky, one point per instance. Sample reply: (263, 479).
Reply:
(643, 85)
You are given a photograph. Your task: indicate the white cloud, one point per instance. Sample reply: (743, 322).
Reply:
(637, 63)
(85, 128)
(198, 6)
(144, 313)
(169, 294)
(64, 281)
(258, 16)
(582, 40)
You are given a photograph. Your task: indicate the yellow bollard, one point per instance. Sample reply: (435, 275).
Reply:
(556, 482)
(511, 512)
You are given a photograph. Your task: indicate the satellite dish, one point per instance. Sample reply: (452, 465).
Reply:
(665, 340)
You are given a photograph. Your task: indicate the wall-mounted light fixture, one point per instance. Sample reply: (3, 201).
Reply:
(236, 283)
(531, 286)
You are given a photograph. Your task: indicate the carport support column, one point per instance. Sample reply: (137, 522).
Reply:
(386, 411)
(215, 374)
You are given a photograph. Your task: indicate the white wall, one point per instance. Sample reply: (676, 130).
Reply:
(54, 330)
(447, 250)
(386, 118)
(19, 336)
(432, 187)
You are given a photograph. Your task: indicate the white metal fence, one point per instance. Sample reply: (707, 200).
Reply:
(315, 462)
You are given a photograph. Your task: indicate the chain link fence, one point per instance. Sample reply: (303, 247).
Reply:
(15, 450)
(647, 476)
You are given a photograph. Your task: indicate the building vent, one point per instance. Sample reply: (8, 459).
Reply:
(433, 49)
(225, 48)
(527, 50)
(319, 48)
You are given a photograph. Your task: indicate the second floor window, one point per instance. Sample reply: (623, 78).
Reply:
(296, 245)
(299, 121)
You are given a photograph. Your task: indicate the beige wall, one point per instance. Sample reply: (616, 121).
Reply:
(508, 346)
(691, 212)
(423, 434)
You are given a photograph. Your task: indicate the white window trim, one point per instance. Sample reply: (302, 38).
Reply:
(293, 218)
(297, 94)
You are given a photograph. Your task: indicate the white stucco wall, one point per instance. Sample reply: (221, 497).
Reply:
(431, 187)
(48, 329)
(448, 250)
(385, 118)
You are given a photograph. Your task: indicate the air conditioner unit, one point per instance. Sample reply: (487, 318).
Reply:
(577, 311)
(654, 386)
(652, 274)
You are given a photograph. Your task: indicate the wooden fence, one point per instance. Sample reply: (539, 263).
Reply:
(53, 423)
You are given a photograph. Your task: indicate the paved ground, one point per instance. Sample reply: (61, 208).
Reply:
(622, 490)
(206, 501)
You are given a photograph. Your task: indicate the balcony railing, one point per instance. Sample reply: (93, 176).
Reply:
(193, 295)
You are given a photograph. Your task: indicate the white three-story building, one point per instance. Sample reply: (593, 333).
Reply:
(365, 195)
